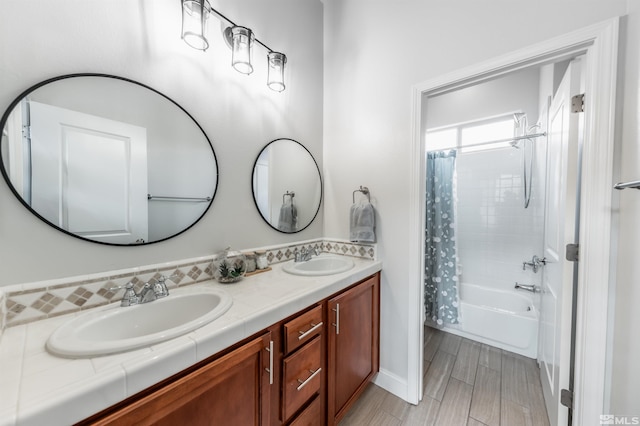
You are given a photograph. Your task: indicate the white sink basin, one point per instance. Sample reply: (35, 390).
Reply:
(321, 265)
(120, 329)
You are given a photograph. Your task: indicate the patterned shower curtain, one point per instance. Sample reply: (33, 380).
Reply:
(441, 280)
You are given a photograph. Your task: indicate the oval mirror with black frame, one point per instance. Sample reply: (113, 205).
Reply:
(287, 185)
(107, 159)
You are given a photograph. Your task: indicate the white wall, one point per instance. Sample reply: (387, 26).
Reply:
(625, 376)
(141, 40)
(375, 52)
(516, 91)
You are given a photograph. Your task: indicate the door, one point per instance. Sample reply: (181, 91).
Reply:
(232, 390)
(560, 221)
(89, 174)
(353, 345)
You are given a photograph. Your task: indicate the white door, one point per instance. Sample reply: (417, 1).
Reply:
(89, 174)
(557, 275)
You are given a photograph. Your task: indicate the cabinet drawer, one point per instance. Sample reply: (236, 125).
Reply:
(302, 377)
(311, 416)
(302, 329)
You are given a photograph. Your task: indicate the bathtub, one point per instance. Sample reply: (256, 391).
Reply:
(504, 319)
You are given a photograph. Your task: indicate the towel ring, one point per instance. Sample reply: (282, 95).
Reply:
(290, 194)
(364, 190)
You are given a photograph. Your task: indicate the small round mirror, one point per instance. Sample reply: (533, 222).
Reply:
(287, 186)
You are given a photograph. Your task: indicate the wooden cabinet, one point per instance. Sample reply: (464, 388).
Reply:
(303, 365)
(353, 345)
(306, 370)
(232, 390)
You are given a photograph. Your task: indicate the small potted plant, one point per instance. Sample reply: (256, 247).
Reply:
(230, 267)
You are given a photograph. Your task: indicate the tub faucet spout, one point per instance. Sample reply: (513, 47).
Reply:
(529, 287)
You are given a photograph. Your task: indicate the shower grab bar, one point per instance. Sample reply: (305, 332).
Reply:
(623, 185)
(165, 198)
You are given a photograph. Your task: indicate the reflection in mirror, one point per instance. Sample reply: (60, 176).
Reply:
(287, 187)
(107, 159)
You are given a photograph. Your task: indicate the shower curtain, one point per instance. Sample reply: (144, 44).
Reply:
(441, 280)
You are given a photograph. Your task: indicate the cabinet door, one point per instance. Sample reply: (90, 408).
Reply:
(353, 346)
(232, 390)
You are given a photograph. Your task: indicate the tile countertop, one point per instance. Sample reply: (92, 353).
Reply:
(37, 388)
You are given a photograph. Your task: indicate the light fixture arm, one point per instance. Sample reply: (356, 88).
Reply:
(233, 24)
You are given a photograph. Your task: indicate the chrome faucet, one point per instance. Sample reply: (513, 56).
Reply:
(529, 287)
(129, 298)
(305, 254)
(160, 287)
(149, 292)
(535, 263)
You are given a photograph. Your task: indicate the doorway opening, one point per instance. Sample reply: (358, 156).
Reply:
(598, 46)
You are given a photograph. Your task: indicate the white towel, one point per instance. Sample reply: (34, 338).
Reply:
(362, 223)
(288, 219)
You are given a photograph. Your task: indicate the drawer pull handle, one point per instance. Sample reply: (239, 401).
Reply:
(313, 328)
(313, 374)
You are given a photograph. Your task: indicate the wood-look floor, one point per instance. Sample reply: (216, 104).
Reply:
(465, 383)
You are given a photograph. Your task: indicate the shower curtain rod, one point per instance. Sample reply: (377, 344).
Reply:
(513, 139)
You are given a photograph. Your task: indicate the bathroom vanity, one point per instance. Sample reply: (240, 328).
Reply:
(291, 350)
(276, 377)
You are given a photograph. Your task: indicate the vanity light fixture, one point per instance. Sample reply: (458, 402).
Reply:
(275, 78)
(194, 23)
(241, 49)
(240, 39)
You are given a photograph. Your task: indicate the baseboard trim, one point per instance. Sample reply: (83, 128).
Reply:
(391, 383)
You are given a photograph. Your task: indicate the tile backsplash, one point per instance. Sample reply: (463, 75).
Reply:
(24, 303)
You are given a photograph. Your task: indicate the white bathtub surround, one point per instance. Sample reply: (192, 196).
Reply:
(25, 303)
(495, 232)
(498, 318)
(38, 388)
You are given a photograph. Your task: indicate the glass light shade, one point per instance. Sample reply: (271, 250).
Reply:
(242, 49)
(194, 23)
(275, 77)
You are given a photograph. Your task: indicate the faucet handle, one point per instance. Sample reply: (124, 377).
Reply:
(160, 286)
(129, 297)
(127, 286)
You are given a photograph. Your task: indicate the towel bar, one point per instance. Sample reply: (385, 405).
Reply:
(633, 184)
(290, 194)
(165, 198)
(364, 190)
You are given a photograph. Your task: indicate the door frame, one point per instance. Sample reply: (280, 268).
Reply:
(599, 42)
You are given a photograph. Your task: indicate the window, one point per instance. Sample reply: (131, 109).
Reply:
(472, 136)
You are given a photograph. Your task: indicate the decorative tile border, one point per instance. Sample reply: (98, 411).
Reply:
(22, 304)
